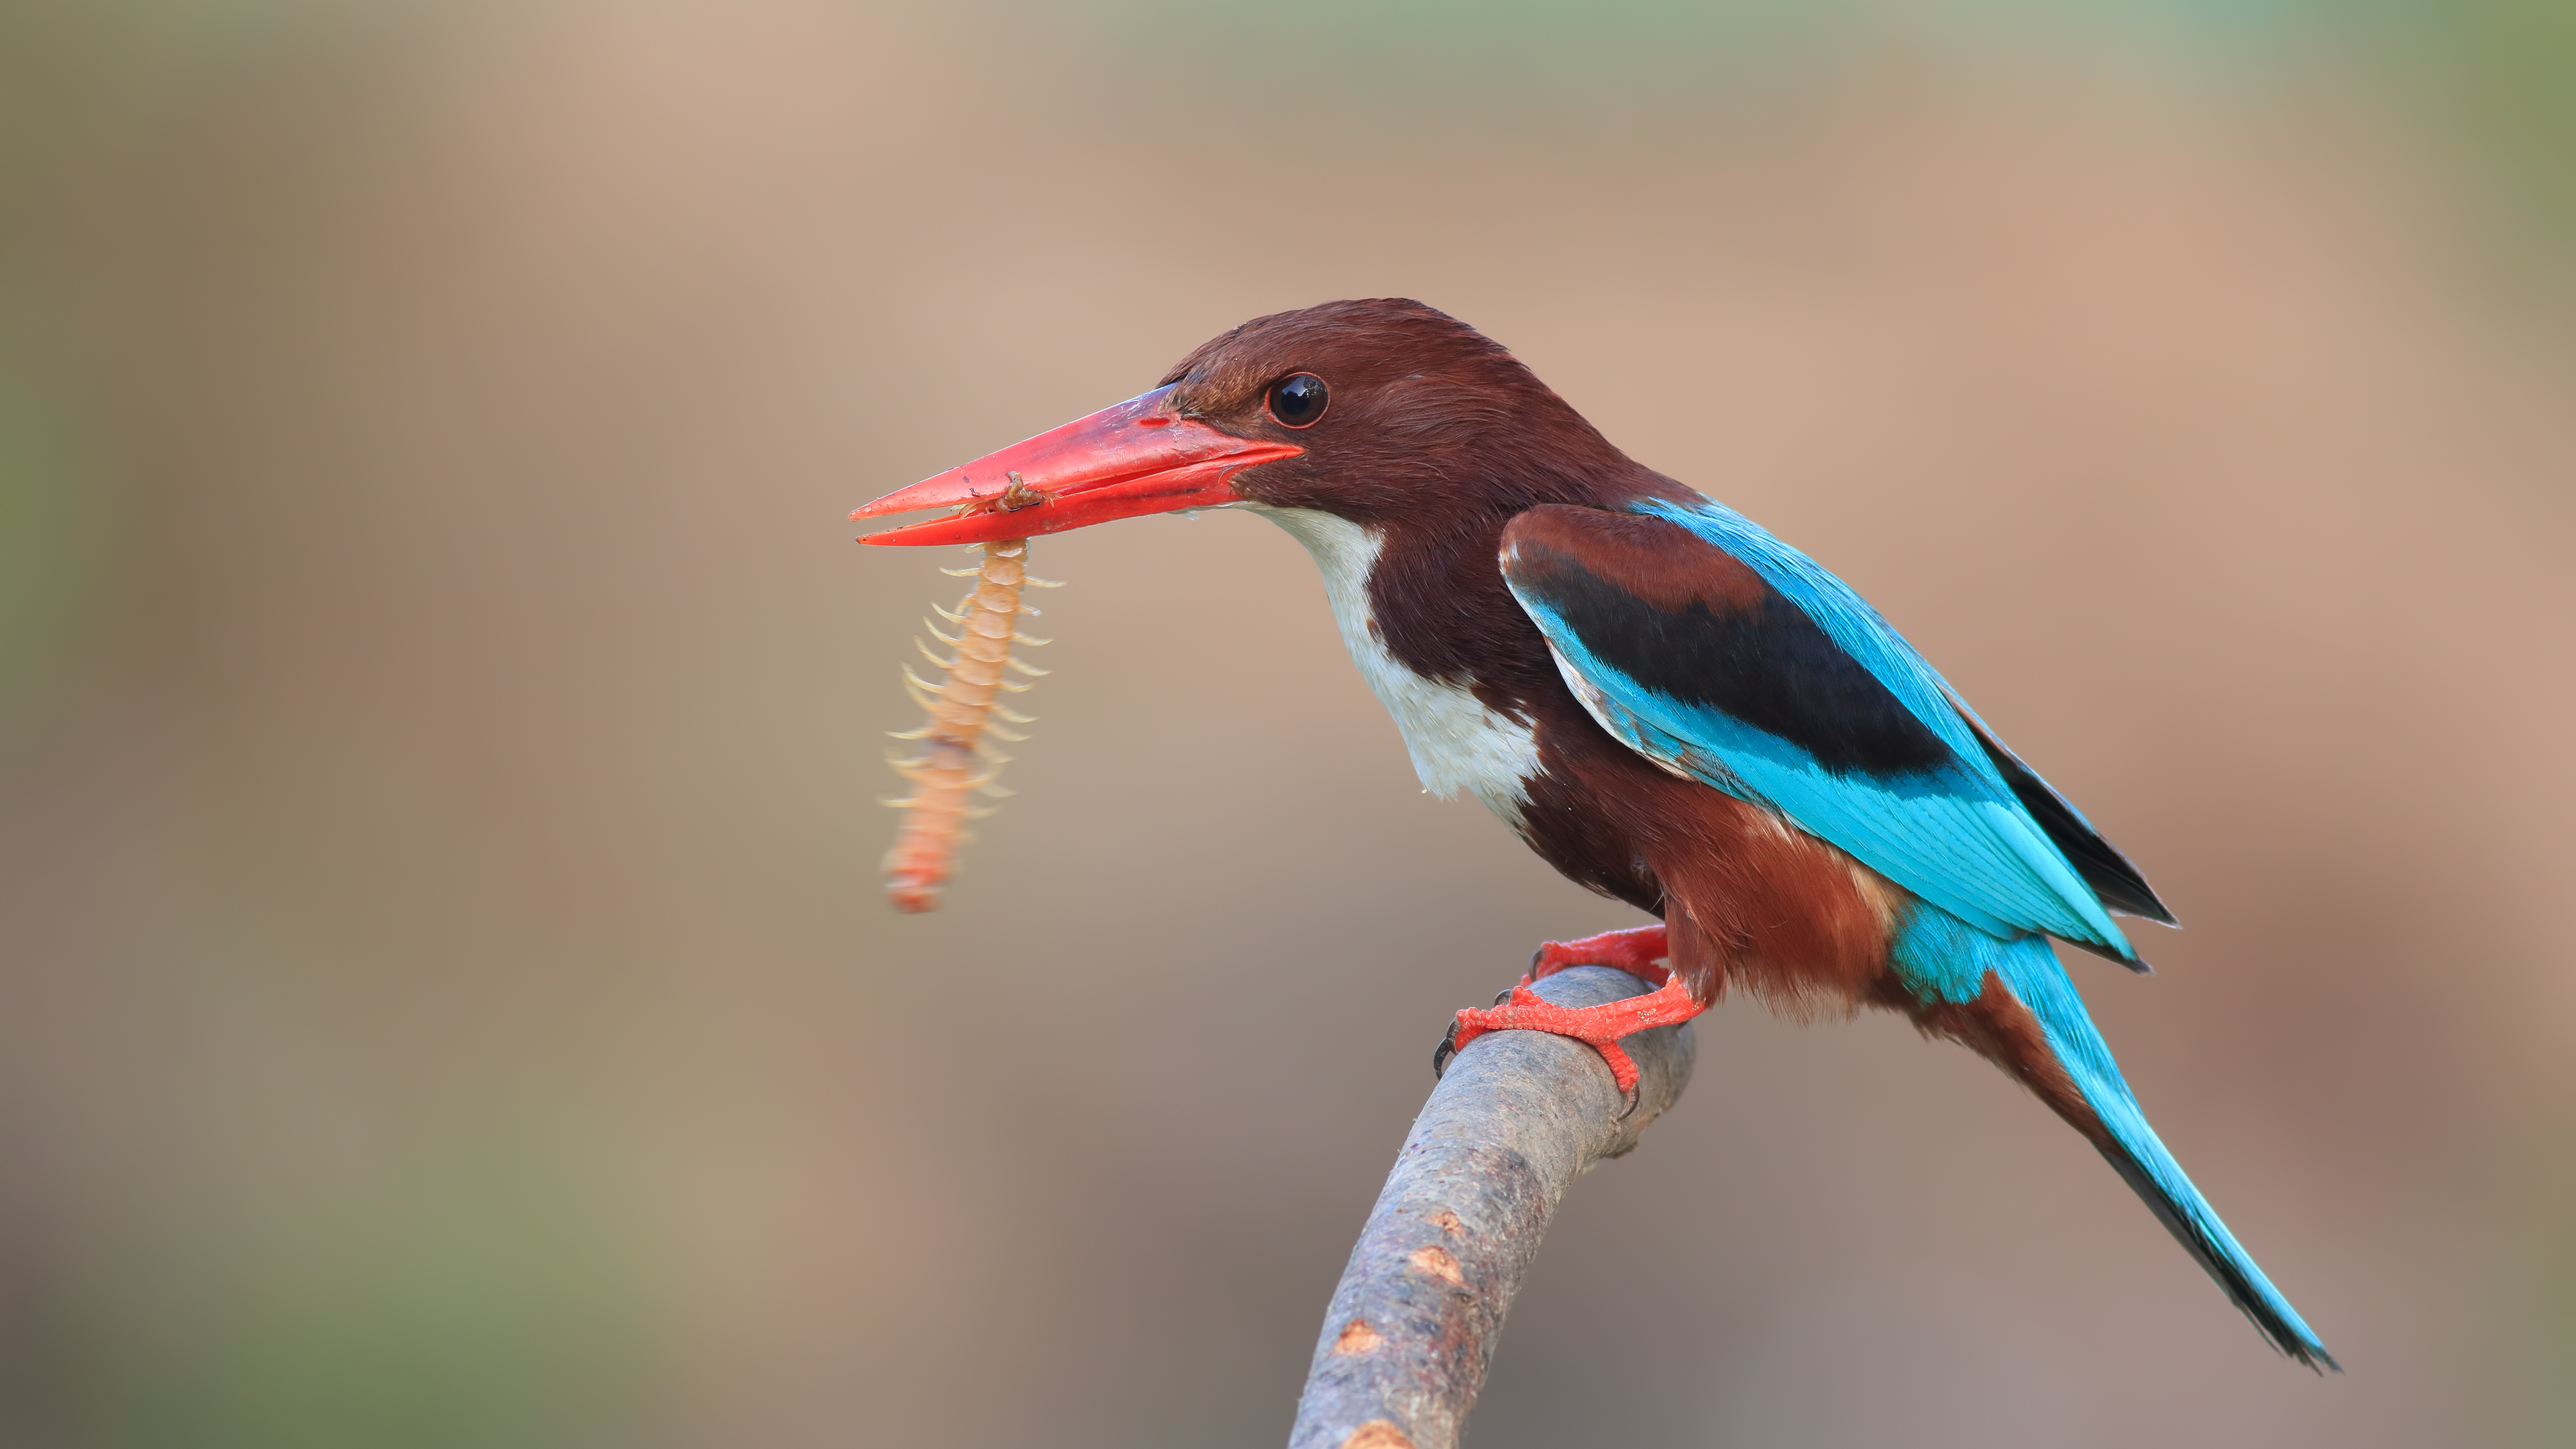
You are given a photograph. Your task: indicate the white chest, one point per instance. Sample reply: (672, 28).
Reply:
(1455, 741)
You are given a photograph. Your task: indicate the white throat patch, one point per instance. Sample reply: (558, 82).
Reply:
(1455, 741)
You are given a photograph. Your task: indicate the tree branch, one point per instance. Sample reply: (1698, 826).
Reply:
(1415, 1320)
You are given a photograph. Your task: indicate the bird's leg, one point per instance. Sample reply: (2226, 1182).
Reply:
(1639, 951)
(1599, 1027)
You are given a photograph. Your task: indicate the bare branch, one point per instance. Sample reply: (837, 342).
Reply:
(1517, 1117)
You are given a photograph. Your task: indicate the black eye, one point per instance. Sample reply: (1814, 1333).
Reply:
(1297, 401)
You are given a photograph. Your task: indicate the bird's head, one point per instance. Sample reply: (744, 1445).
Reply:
(1381, 411)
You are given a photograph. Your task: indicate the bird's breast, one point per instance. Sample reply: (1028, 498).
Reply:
(1457, 742)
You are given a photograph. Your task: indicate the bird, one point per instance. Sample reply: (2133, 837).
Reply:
(1669, 705)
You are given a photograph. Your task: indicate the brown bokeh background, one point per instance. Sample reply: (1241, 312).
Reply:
(445, 997)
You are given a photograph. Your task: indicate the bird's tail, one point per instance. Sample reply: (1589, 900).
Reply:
(2030, 969)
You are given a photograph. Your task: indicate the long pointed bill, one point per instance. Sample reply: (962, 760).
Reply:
(1132, 459)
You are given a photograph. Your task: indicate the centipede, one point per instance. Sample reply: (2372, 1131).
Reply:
(954, 758)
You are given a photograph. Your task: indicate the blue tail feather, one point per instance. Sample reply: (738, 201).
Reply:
(1938, 956)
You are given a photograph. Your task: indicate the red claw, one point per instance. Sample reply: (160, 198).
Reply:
(1599, 1027)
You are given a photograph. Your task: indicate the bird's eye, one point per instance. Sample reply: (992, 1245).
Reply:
(1297, 401)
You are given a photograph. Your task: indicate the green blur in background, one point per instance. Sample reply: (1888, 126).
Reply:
(444, 994)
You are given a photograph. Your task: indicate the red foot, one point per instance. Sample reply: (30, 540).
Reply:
(1598, 1026)
(1639, 951)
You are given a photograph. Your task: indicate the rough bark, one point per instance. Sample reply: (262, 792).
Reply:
(1517, 1116)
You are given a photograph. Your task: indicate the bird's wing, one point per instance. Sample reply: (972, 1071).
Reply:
(1724, 655)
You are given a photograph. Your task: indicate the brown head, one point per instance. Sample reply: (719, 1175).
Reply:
(1384, 412)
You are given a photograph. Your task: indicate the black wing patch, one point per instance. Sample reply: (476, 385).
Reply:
(1737, 646)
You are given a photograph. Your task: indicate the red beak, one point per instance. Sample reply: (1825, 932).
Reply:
(1120, 462)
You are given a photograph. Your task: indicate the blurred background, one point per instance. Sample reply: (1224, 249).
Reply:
(445, 994)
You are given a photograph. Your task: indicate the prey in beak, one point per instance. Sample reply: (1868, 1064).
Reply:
(1136, 458)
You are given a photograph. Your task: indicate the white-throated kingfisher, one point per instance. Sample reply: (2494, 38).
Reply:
(1669, 705)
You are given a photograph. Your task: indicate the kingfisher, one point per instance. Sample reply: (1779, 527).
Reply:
(1669, 705)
